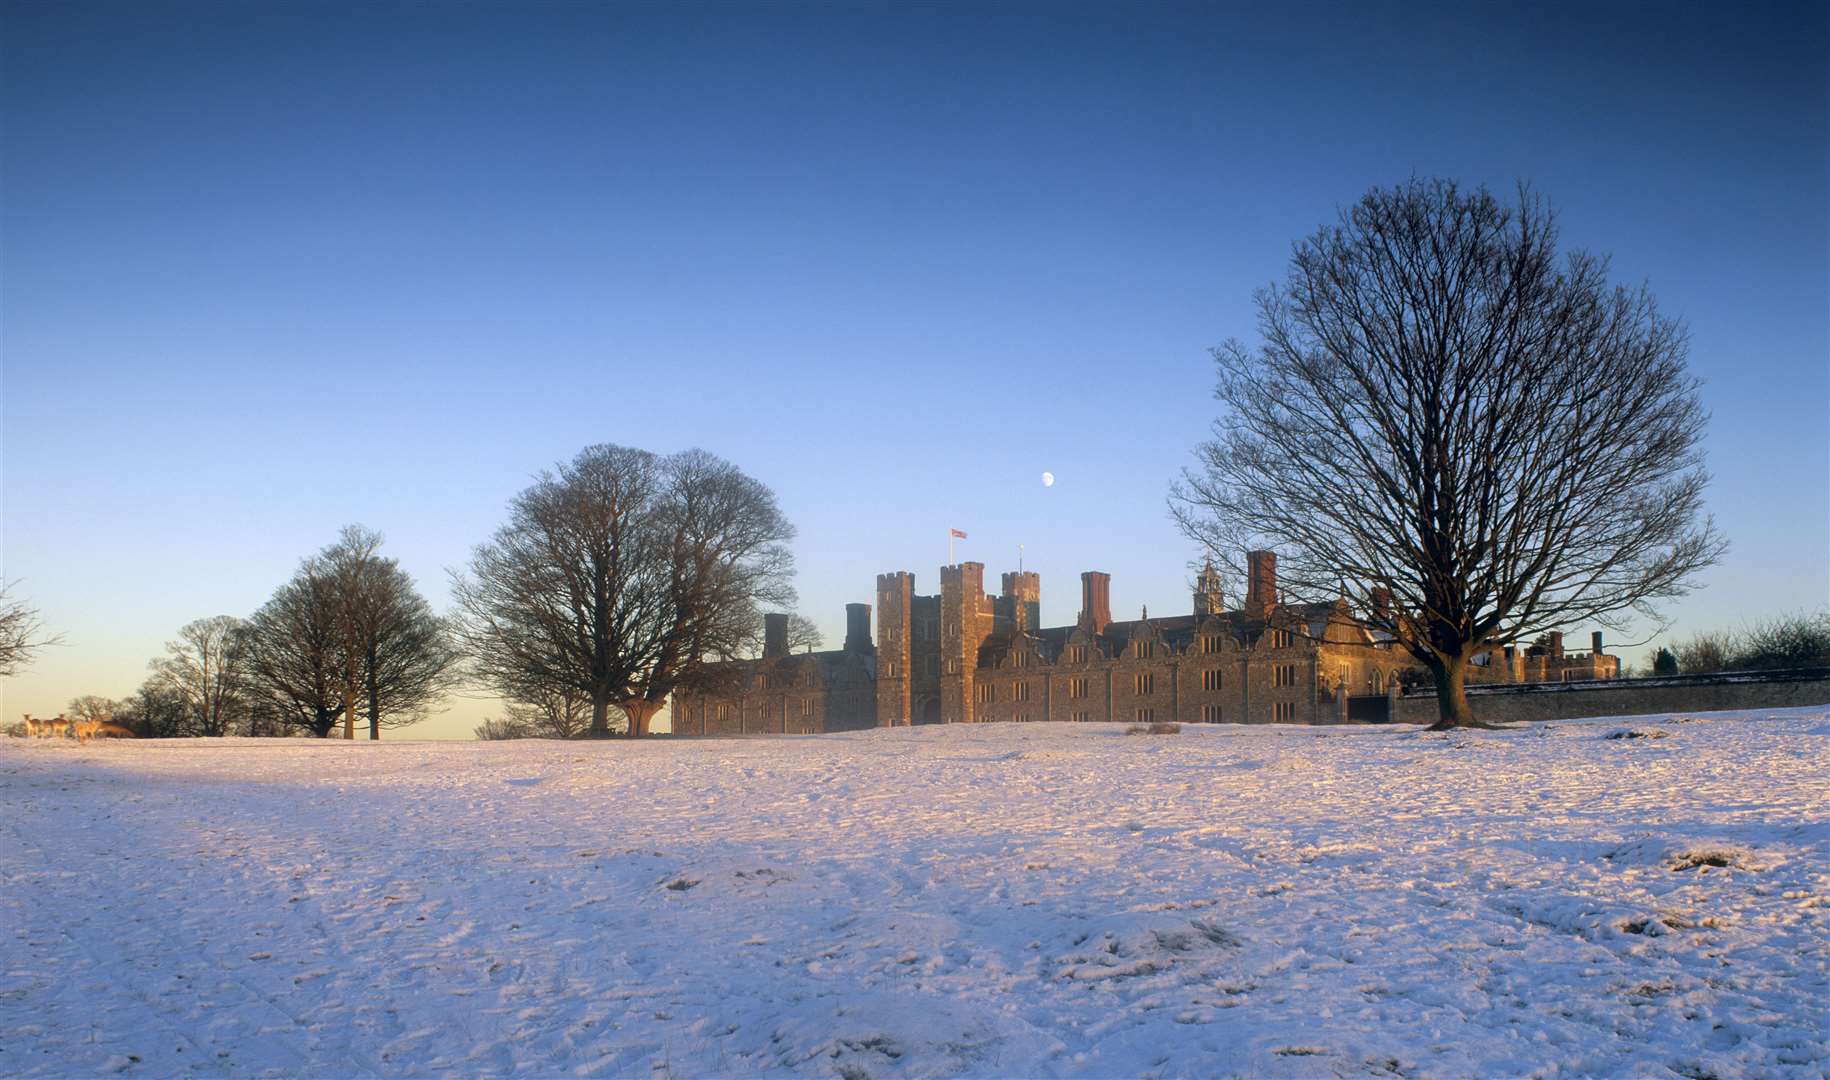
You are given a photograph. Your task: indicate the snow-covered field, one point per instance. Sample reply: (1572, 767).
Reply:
(1035, 900)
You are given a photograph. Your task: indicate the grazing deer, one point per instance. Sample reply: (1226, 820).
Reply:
(54, 729)
(104, 728)
(31, 727)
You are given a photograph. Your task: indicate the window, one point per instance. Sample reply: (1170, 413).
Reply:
(1283, 675)
(1210, 714)
(1145, 683)
(1077, 654)
(724, 714)
(1210, 644)
(1019, 692)
(774, 682)
(889, 670)
(1022, 718)
(1376, 681)
(1213, 680)
(806, 708)
(1280, 639)
(1144, 649)
(987, 693)
(1077, 687)
(1019, 659)
(953, 665)
(1146, 716)
(1284, 712)
(1082, 717)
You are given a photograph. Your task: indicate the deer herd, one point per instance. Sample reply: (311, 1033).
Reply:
(83, 730)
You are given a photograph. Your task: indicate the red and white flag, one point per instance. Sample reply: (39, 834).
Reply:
(956, 532)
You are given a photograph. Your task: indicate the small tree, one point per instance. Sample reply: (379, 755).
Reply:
(619, 574)
(1785, 642)
(21, 633)
(1665, 662)
(1706, 653)
(206, 665)
(1472, 439)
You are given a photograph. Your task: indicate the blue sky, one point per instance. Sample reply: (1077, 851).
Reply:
(266, 270)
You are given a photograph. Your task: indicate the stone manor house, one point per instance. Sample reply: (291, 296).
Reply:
(964, 657)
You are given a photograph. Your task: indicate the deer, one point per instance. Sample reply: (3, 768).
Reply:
(103, 728)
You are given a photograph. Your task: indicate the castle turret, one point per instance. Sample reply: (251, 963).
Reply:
(1208, 600)
(1021, 602)
(775, 635)
(894, 593)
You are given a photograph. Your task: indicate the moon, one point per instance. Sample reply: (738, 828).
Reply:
(1048, 479)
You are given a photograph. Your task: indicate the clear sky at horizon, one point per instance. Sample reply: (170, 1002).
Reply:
(266, 270)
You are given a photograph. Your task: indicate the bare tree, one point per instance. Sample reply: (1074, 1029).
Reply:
(155, 711)
(21, 633)
(619, 574)
(91, 707)
(803, 635)
(207, 666)
(405, 654)
(1474, 440)
(296, 652)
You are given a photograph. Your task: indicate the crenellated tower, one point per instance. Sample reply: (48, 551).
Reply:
(966, 619)
(1021, 601)
(894, 593)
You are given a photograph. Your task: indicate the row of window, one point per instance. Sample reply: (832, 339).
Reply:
(1144, 682)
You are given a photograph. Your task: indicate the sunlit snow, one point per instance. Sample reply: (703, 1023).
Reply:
(987, 900)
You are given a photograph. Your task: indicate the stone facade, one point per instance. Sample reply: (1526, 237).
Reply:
(965, 656)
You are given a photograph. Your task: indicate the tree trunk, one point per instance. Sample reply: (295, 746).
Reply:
(1452, 696)
(374, 700)
(349, 707)
(600, 715)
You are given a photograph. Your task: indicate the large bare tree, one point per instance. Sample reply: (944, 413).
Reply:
(619, 574)
(1475, 439)
(21, 633)
(207, 665)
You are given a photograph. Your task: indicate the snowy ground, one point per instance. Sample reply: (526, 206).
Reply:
(999, 900)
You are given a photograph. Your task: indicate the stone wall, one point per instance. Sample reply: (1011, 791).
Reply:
(1628, 697)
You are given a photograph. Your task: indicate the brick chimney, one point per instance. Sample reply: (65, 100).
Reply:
(1260, 583)
(1595, 642)
(1096, 600)
(1382, 607)
(858, 628)
(1556, 644)
(775, 635)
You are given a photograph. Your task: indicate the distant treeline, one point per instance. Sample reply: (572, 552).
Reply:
(1779, 643)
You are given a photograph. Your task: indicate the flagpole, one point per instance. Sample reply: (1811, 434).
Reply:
(949, 545)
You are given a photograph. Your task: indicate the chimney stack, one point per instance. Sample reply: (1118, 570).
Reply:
(1095, 601)
(1556, 644)
(1260, 583)
(857, 628)
(1595, 642)
(775, 635)
(1382, 607)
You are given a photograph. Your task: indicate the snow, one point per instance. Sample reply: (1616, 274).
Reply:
(1036, 900)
